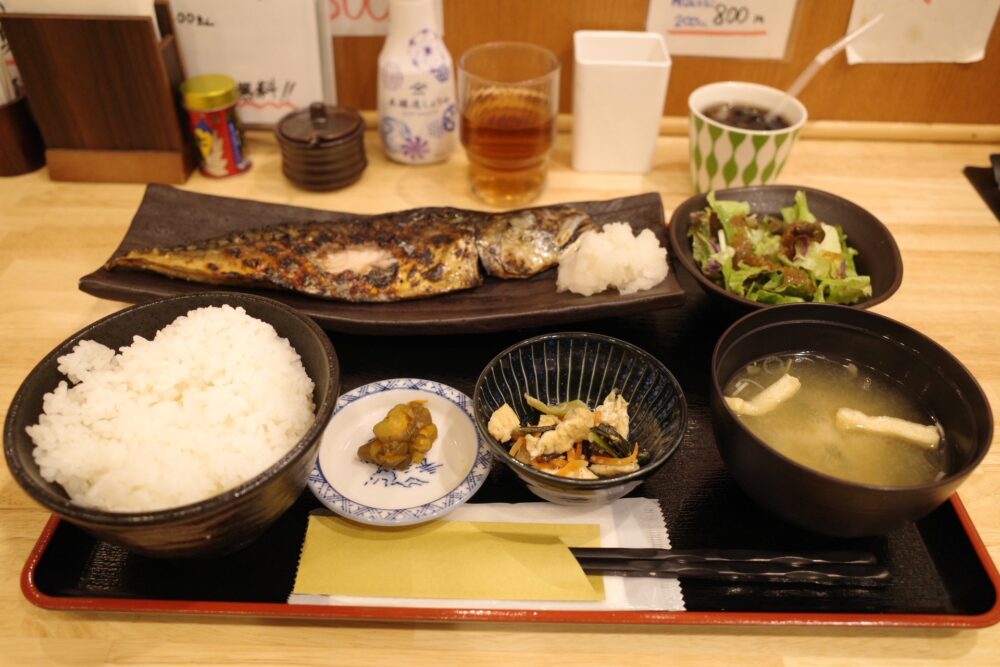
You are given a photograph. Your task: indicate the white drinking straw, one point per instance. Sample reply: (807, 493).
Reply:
(821, 59)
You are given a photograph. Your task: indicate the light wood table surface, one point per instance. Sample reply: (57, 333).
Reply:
(53, 233)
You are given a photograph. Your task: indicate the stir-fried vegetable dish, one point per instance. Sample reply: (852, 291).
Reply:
(570, 439)
(770, 259)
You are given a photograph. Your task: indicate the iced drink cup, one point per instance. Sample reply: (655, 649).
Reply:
(724, 156)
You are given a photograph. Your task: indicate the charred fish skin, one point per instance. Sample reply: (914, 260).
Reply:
(520, 244)
(406, 255)
(390, 258)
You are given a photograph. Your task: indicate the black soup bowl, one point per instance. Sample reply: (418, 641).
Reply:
(560, 367)
(215, 526)
(878, 256)
(819, 502)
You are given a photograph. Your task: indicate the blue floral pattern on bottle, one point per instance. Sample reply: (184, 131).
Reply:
(415, 148)
(416, 87)
(398, 138)
(395, 133)
(426, 54)
(448, 119)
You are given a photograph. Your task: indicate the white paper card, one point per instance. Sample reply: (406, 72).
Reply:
(747, 29)
(922, 32)
(627, 522)
(90, 7)
(365, 17)
(271, 47)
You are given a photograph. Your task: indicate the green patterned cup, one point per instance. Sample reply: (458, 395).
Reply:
(726, 157)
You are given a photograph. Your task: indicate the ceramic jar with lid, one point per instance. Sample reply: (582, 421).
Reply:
(416, 87)
(322, 147)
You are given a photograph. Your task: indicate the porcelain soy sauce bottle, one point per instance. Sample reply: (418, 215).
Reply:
(416, 87)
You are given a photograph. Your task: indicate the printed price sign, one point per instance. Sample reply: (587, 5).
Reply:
(736, 29)
(364, 17)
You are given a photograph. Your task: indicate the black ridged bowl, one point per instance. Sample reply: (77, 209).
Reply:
(220, 524)
(564, 366)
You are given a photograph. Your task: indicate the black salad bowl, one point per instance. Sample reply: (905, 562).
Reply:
(878, 256)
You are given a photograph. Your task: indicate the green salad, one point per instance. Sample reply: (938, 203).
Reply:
(773, 260)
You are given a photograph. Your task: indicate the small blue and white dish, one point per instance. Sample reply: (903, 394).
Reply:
(456, 465)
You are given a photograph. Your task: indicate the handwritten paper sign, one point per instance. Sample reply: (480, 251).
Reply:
(931, 31)
(10, 80)
(736, 29)
(365, 17)
(271, 47)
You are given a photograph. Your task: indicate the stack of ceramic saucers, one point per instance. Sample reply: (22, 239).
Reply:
(322, 147)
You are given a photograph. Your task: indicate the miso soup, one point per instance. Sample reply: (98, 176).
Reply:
(803, 426)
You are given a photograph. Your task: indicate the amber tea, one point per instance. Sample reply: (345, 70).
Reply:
(509, 94)
(507, 133)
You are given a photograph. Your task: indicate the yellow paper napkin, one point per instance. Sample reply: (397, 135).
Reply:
(447, 559)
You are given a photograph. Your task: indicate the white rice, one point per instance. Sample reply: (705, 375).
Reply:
(612, 258)
(214, 399)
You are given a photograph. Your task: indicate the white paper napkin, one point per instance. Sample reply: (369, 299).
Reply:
(628, 522)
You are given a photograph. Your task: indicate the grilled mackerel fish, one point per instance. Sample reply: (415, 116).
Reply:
(521, 244)
(418, 253)
(379, 259)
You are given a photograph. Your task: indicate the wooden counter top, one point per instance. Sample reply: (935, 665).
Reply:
(53, 233)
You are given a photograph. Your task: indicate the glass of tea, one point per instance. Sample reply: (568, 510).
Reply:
(741, 133)
(508, 94)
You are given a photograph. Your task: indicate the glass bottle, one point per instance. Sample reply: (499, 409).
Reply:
(416, 87)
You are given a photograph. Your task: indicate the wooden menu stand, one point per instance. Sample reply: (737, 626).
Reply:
(103, 93)
(21, 148)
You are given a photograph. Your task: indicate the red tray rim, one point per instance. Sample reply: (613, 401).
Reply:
(397, 614)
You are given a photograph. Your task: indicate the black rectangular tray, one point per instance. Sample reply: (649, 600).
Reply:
(942, 573)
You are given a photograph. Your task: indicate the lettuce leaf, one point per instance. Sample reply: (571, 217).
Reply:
(701, 245)
(772, 290)
(831, 239)
(709, 251)
(829, 263)
(764, 243)
(819, 263)
(799, 210)
(767, 296)
(843, 290)
(777, 284)
(726, 209)
(848, 252)
(736, 278)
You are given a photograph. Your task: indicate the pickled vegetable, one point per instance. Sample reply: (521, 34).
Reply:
(402, 438)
